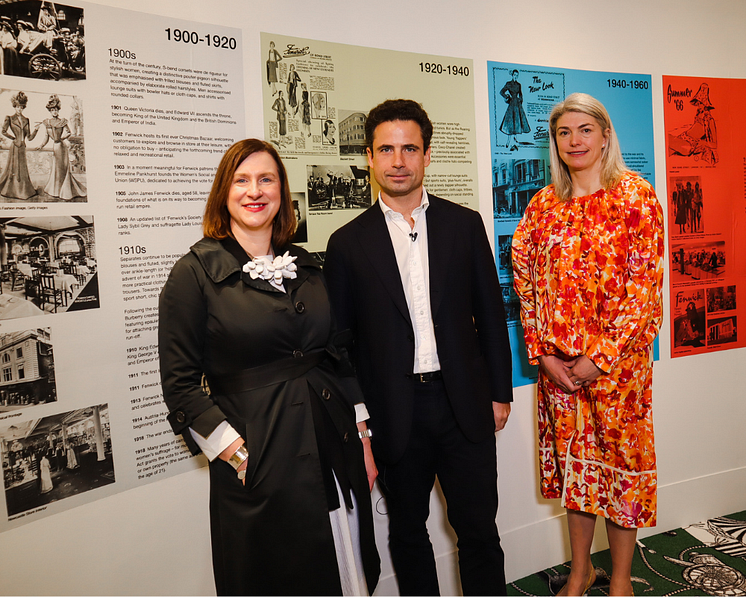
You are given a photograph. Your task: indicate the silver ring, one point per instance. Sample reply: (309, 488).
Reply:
(578, 383)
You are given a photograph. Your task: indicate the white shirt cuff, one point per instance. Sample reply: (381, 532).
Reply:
(361, 413)
(221, 437)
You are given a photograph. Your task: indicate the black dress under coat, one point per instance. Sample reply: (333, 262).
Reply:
(276, 376)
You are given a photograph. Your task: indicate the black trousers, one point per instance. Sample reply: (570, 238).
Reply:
(467, 473)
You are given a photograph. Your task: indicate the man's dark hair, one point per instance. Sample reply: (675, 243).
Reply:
(398, 109)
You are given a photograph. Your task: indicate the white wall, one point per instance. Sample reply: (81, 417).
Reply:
(154, 540)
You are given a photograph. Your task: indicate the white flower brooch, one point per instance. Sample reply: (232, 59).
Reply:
(270, 269)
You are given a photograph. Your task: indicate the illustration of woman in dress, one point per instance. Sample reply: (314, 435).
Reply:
(45, 475)
(514, 122)
(272, 60)
(15, 181)
(700, 139)
(281, 108)
(292, 86)
(305, 114)
(318, 101)
(62, 182)
(329, 130)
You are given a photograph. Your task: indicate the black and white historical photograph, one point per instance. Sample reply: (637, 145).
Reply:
(689, 318)
(42, 40)
(504, 259)
(697, 261)
(27, 363)
(514, 183)
(687, 205)
(319, 256)
(512, 304)
(42, 150)
(352, 132)
(53, 458)
(301, 217)
(722, 330)
(47, 265)
(338, 187)
(721, 298)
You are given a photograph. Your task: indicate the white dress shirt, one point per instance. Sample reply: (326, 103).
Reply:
(410, 247)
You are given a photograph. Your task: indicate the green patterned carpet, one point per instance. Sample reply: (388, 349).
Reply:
(707, 558)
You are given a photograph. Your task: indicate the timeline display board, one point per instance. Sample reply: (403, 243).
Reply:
(521, 99)
(705, 165)
(317, 96)
(110, 141)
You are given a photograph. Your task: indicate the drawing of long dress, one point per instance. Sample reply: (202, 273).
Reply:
(515, 121)
(62, 182)
(46, 475)
(15, 181)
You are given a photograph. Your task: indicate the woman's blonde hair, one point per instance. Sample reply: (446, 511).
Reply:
(612, 162)
(217, 220)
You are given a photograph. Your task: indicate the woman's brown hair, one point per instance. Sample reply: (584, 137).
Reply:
(217, 221)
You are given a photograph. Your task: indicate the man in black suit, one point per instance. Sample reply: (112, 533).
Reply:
(414, 279)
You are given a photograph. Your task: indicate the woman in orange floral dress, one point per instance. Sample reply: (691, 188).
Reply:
(588, 265)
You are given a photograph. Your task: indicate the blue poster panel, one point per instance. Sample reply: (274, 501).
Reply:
(521, 97)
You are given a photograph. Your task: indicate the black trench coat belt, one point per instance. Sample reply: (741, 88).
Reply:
(268, 374)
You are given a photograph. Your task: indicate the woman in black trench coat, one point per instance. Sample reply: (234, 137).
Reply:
(289, 494)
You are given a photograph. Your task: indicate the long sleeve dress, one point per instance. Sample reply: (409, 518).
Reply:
(515, 121)
(589, 275)
(15, 181)
(276, 376)
(62, 182)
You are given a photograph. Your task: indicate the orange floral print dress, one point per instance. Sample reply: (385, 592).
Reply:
(589, 275)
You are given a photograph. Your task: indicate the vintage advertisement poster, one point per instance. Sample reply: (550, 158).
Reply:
(316, 98)
(705, 166)
(108, 148)
(521, 98)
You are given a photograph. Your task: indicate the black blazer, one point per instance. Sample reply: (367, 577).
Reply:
(468, 315)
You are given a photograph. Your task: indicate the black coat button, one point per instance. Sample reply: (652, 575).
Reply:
(326, 394)
(180, 417)
(297, 354)
(300, 307)
(346, 437)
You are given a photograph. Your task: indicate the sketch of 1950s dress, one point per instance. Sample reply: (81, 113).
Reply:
(15, 181)
(62, 182)
(515, 121)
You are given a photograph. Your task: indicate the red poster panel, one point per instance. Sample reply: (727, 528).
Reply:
(706, 181)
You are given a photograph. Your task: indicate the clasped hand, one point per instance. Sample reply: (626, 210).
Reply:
(570, 375)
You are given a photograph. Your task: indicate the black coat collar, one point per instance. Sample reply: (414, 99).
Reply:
(223, 258)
